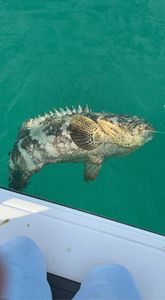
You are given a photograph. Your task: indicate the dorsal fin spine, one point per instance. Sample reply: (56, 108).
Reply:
(67, 111)
(79, 110)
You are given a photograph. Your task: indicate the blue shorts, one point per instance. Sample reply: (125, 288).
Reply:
(108, 282)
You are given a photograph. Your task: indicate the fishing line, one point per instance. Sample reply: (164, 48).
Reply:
(156, 131)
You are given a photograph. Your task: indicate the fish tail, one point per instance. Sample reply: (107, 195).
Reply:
(18, 179)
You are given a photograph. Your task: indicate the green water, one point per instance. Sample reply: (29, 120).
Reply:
(110, 56)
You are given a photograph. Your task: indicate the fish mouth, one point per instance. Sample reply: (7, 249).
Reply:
(149, 136)
(148, 132)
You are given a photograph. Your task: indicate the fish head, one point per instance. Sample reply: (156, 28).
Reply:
(126, 131)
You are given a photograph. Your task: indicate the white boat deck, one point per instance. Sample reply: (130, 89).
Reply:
(73, 242)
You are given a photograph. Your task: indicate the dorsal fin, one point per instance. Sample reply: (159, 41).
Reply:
(57, 113)
(69, 111)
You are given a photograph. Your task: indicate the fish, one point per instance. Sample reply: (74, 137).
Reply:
(74, 135)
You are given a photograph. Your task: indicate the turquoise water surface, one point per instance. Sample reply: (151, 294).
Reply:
(110, 56)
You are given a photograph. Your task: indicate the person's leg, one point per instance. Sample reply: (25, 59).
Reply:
(108, 282)
(24, 270)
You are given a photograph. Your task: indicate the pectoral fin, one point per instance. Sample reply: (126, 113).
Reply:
(86, 133)
(92, 167)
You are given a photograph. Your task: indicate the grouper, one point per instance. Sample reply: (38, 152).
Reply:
(74, 135)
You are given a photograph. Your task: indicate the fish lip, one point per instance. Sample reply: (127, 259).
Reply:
(150, 137)
(151, 129)
(149, 133)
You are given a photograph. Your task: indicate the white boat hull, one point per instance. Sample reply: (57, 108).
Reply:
(73, 242)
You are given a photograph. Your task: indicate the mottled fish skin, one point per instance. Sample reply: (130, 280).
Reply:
(74, 135)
